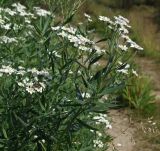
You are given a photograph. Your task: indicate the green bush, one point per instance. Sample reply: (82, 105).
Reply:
(52, 86)
(139, 95)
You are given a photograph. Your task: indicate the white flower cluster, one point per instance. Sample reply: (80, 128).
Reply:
(98, 143)
(41, 12)
(88, 17)
(20, 10)
(6, 40)
(121, 24)
(11, 40)
(6, 26)
(126, 68)
(7, 15)
(18, 7)
(78, 40)
(135, 72)
(102, 118)
(123, 47)
(35, 137)
(8, 11)
(7, 70)
(86, 95)
(133, 44)
(36, 72)
(79, 72)
(105, 19)
(31, 85)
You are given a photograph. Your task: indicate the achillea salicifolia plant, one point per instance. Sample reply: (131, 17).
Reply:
(53, 88)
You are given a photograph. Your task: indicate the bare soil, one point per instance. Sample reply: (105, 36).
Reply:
(130, 135)
(122, 131)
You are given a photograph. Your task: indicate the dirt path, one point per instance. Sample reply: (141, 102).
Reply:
(124, 129)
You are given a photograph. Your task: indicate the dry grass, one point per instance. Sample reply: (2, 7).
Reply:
(94, 8)
(148, 133)
(145, 30)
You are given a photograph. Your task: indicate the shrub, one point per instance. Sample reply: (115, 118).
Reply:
(139, 95)
(52, 88)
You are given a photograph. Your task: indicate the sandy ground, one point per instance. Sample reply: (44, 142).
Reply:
(124, 129)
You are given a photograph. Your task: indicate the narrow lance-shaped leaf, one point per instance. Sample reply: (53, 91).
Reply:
(4, 133)
(101, 40)
(94, 60)
(113, 89)
(78, 93)
(86, 125)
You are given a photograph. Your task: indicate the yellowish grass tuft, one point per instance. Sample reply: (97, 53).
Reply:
(145, 30)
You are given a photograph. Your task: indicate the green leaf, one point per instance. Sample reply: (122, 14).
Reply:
(43, 147)
(122, 66)
(85, 82)
(69, 19)
(37, 29)
(86, 125)
(24, 102)
(100, 107)
(4, 133)
(113, 89)
(101, 40)
(78, 93)
(20, 120)
(96, 76)
(95, 59)
(2, 1)
(1, 146)
(41, 105)
(47, 23)
(88, 148)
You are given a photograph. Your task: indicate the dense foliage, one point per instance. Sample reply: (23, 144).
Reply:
(53, 86)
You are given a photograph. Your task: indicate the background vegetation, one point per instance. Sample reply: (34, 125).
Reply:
(143, 16)
(54, 92)
(72, 118)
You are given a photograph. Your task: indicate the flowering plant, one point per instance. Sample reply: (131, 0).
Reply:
(56, 79)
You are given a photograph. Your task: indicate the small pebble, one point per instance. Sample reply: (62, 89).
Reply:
(119, 145)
